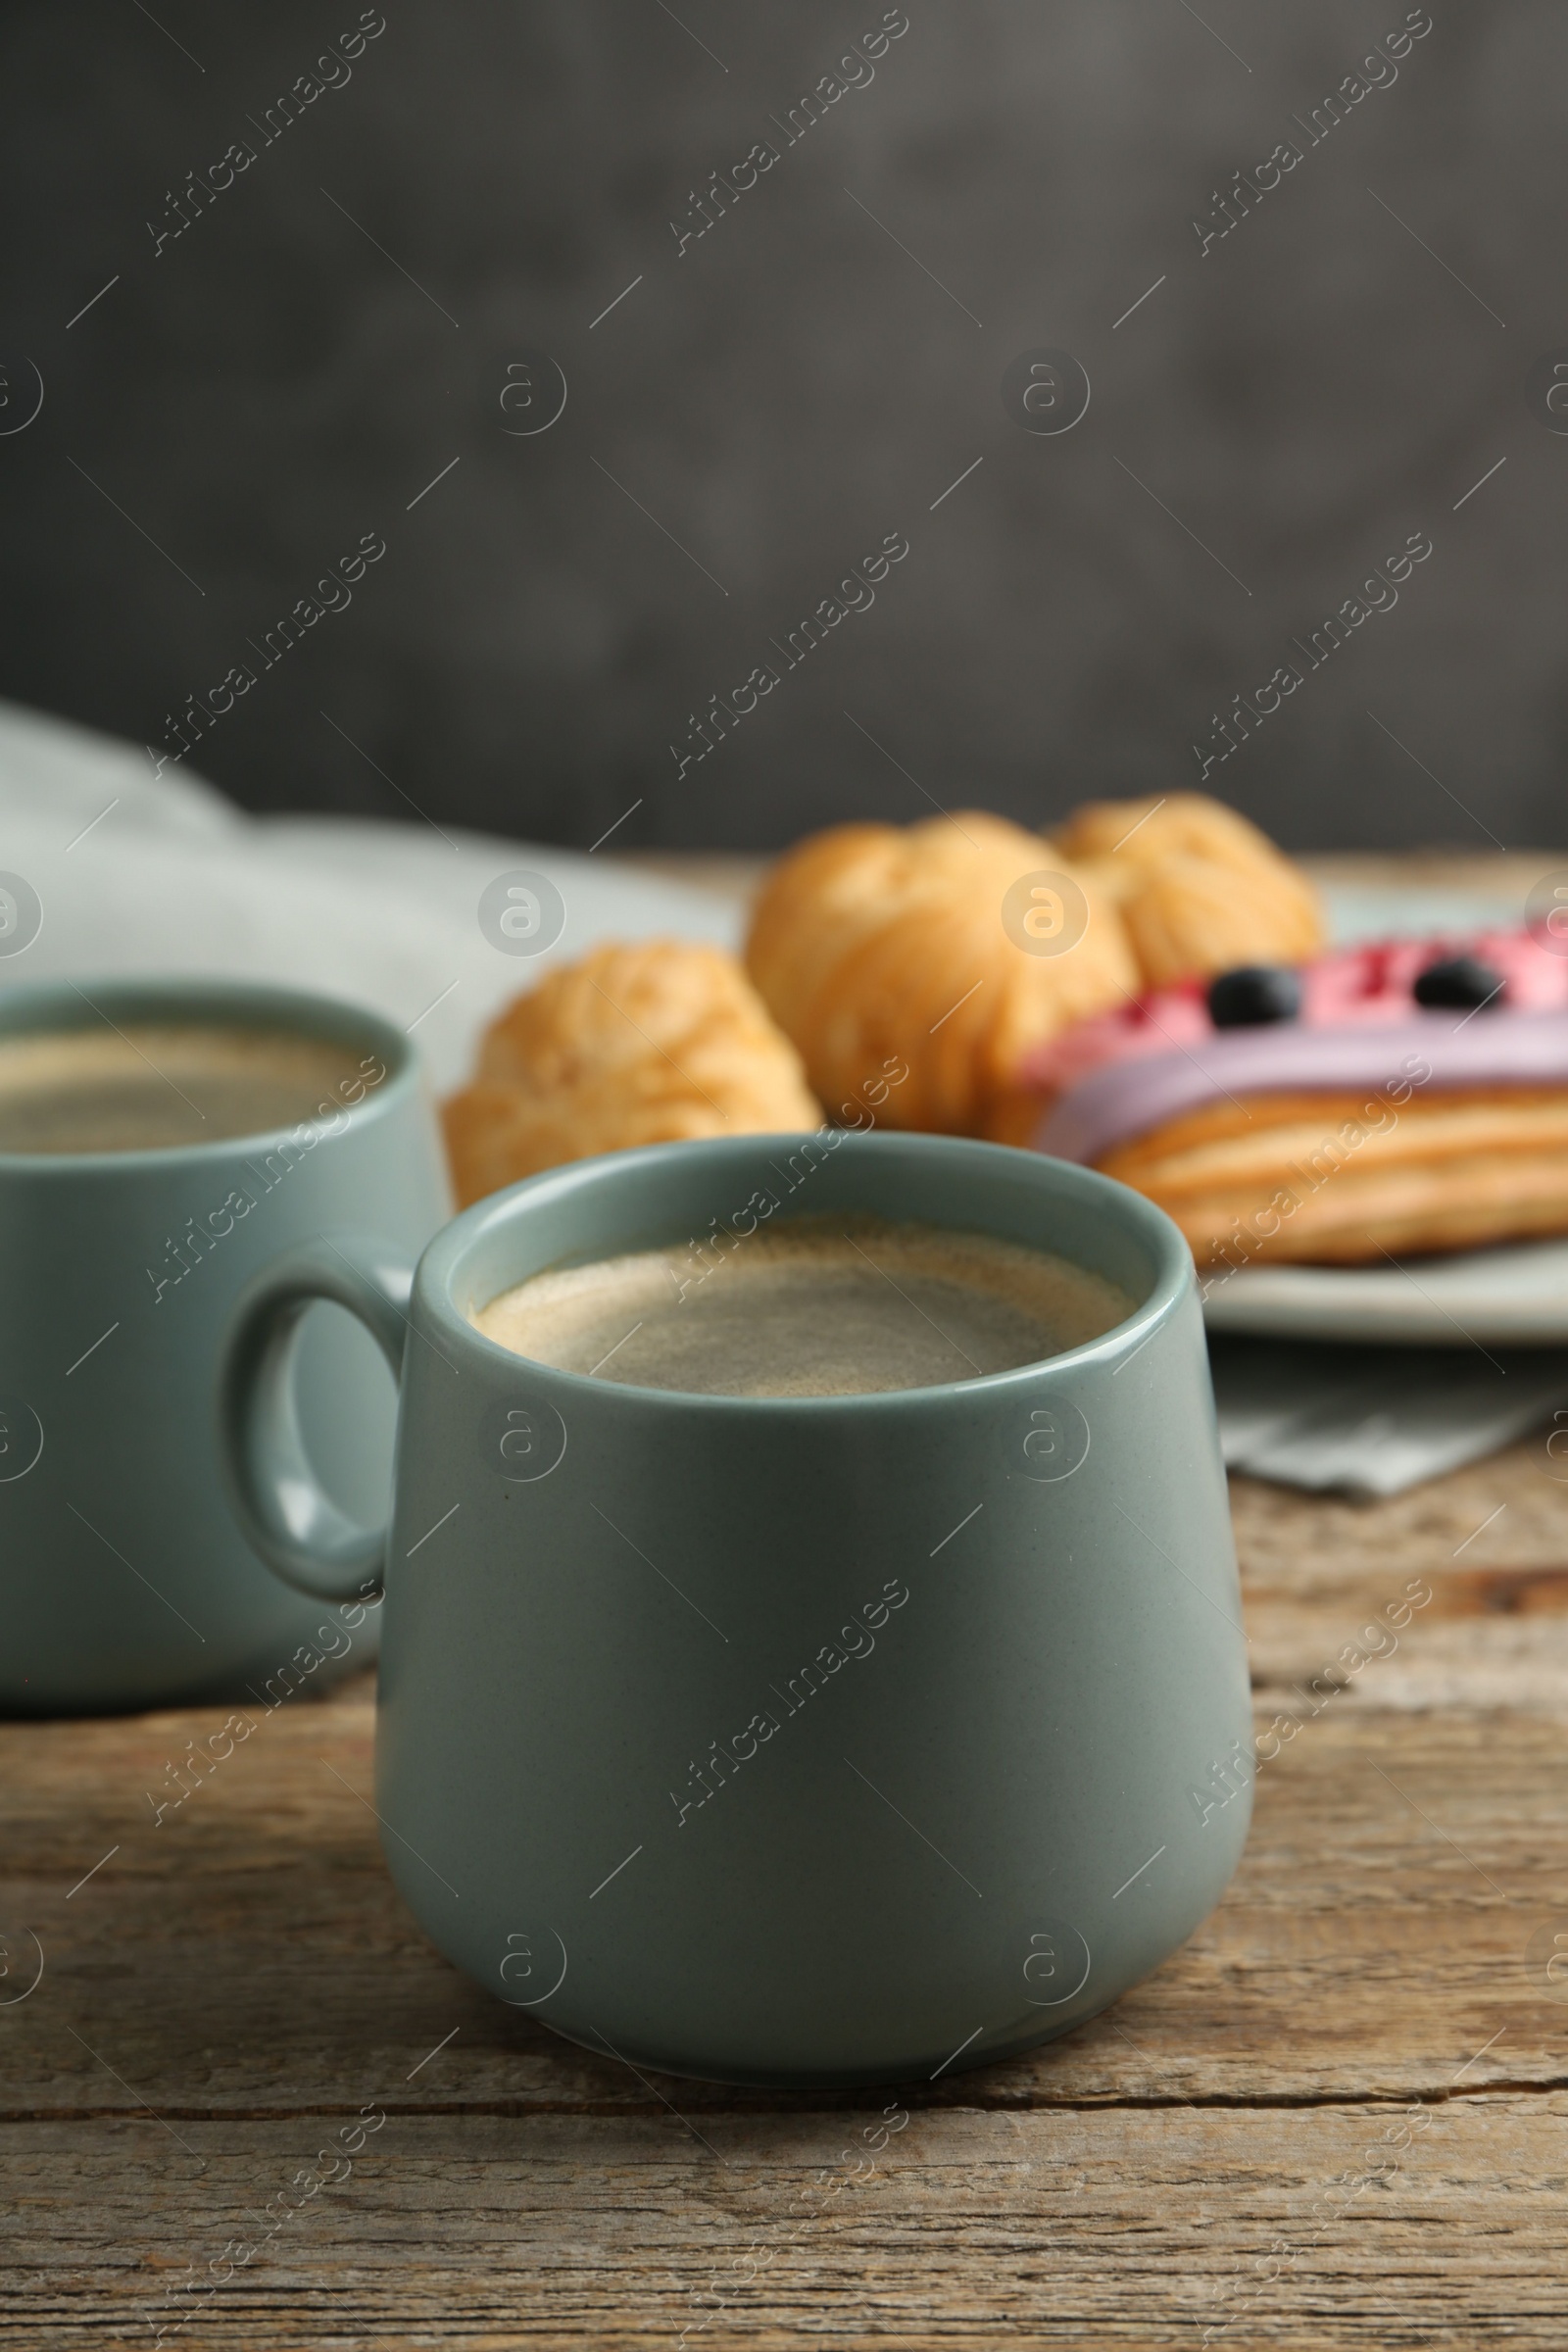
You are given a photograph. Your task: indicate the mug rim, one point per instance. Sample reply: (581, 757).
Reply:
(445, 1256)
(199, 1003)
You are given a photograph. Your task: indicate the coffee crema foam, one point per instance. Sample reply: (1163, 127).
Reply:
(153, 1087)
(844, 1307)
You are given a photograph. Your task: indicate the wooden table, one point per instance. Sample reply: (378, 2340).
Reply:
(1339, 2116)
(231, 1990)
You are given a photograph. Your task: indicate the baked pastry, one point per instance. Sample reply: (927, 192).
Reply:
(1407, 1097)
(1145, 835)
(872, 944)
(648, 1043)
(869, 942)
(1345, 1176)
(1199, 889)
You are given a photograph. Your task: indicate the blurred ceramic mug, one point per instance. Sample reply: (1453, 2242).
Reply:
(124, 1579)
(785, 1740)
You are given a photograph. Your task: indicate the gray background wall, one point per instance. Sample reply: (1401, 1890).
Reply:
(270, 384)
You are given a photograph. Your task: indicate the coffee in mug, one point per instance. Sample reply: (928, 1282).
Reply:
(160, 1143)
(788, 1738)
(157, 1086)
(818, 1307)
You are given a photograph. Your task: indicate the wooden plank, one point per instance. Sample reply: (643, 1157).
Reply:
(1295, 1543)
(250, 1954)
(1324, 1579)
(246, 1970)
(1340, 2226)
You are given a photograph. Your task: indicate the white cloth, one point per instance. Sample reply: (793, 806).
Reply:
(1369, 1421)
(141, 874)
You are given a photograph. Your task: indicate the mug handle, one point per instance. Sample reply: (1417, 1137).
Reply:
(285, 1514)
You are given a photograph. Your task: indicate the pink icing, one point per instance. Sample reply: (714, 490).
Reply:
(1124, 1072)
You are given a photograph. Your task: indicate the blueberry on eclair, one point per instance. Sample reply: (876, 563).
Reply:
(1252, 995)
(1460, 982)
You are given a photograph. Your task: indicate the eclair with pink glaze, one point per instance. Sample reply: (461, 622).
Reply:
(1407, 1096)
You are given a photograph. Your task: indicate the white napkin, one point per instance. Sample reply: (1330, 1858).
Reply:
(140, 874)
(1369, 1421)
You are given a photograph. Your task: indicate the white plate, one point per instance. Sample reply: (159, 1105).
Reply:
(1475, 1297)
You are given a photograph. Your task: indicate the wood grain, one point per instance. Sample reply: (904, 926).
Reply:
(1124, 2226)
(230, 1989)
(253, 1958)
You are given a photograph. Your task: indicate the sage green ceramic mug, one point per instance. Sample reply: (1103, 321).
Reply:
(124, 1580)
(785, 1740)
